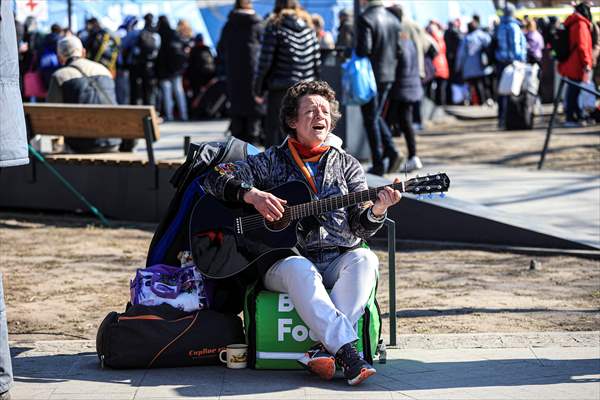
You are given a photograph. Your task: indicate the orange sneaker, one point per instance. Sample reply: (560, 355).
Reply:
(319, 361)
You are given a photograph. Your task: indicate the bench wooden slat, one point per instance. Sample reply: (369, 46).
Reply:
(99, 159)
(90, 120)
(112, 159)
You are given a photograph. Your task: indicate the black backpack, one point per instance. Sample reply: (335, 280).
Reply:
(147, 45)
(171, 235)
(103, 47)
(560, 43)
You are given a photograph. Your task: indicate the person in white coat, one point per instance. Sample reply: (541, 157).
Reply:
(13, 150)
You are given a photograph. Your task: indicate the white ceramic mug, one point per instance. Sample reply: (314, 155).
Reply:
(236, 356)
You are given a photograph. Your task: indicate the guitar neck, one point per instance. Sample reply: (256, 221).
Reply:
(318, 207)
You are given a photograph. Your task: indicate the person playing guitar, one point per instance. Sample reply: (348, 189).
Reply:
(333, 255)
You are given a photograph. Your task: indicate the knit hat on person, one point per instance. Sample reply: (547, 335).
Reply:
(509, 10)
(70, 46)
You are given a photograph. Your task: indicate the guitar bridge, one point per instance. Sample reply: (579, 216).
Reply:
(238, 226)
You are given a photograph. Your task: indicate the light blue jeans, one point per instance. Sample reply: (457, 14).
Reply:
(331, 317)
(6, 375)
(173, 87)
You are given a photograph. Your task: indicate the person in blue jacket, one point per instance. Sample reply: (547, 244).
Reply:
(469, 59)
(511, 45)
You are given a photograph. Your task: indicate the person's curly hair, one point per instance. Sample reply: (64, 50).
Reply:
(291, 101)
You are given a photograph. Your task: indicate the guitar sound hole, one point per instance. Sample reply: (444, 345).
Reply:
(280, 224)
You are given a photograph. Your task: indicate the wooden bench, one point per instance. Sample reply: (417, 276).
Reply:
(94, 121)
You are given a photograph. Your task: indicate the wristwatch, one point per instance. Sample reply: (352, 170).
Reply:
(244, 188)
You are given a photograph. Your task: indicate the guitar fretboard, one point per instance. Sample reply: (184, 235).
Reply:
(317, 207)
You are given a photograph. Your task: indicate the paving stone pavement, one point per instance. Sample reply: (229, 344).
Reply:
(467, 366)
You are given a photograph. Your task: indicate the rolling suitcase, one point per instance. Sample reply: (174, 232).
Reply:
(519, 111)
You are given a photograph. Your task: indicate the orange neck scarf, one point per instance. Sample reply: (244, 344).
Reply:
(303, 154)
(305, 151)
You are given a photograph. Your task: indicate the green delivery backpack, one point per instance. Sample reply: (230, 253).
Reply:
(277, 336)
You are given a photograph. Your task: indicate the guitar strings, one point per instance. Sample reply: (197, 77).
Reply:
(295, 212)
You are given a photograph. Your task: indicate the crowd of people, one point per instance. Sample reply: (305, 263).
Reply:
(258, 58)
(149, 60)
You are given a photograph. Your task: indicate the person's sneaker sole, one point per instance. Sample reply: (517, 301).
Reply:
(324, 368)
(364, 374)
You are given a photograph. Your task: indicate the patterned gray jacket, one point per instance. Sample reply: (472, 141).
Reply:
(338, 173)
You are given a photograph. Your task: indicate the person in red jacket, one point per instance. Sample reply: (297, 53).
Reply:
(578, 66)
(440, 63)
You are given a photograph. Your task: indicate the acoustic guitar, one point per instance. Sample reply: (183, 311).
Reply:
(227, 237)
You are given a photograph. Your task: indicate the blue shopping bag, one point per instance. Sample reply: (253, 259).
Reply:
(358, 81)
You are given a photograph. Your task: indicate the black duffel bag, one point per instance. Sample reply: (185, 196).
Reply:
(164, 336)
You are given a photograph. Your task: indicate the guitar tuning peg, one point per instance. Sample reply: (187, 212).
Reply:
(442, 195)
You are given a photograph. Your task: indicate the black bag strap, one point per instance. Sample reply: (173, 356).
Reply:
(94, 84)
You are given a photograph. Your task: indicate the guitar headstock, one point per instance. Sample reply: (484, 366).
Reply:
(433, 183)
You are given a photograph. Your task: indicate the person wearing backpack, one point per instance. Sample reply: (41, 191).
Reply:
(171, 63)
(578, 66)
(142, 76)
(101, 45)
(82, 81)
(510, 45)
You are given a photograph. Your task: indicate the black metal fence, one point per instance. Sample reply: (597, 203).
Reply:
(557, 100)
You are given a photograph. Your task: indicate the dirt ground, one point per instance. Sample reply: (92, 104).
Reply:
(64, 273)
